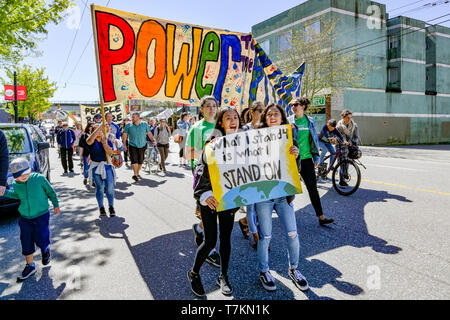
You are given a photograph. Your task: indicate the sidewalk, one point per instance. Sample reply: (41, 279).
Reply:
(439, 153)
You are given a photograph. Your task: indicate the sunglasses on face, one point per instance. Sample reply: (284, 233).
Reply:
(295, 104)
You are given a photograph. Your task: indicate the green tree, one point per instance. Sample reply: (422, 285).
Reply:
(23, 23)
(39, 90)
(327, 70)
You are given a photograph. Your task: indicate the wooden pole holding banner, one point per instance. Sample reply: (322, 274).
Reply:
(100, 89)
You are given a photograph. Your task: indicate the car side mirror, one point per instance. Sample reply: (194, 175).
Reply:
(43, 145)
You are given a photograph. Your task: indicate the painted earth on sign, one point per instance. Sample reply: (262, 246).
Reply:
(257, 192)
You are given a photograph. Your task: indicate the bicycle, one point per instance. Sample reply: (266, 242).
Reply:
(152, 159)
(346, 175)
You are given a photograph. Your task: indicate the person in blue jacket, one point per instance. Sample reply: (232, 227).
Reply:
(308, 145)
(66, 139)
(115, 130)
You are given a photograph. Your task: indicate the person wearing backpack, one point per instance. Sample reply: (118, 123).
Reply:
(162, 136)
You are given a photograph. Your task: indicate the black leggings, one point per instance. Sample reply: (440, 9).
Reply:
(309, 178)
(226, 222)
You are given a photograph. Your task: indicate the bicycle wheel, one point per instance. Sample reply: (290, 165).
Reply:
(346, 177)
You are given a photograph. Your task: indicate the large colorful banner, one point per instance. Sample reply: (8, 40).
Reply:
(252, 166)
(146, 58)
(117, 110)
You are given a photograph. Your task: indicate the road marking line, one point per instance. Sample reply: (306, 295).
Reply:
(392, 167)
(406, 187)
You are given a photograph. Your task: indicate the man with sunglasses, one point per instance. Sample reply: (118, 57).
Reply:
(308, 144)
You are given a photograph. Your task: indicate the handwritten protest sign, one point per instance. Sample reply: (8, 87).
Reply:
(147, 58)
(87, 113)
(252, 166)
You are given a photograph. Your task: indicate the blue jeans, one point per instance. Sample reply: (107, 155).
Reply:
(325, 146)
(85, 167)
(152, 152)
(285, 212)
(100, 187)
(251, 219)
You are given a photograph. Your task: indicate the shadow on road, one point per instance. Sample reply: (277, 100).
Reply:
(164, 261)
(33, 289)
(74, 223)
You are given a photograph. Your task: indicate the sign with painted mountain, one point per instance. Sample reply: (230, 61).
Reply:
(147, 58)
(252, 166)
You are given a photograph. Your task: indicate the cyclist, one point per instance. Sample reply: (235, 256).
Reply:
(328, 136)
(349, 130)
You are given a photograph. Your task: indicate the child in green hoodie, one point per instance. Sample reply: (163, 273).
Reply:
(33, 190)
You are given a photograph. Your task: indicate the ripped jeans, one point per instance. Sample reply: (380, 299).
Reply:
(285, 212)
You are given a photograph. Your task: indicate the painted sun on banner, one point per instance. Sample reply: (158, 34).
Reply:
(252, 166)
(146, 58)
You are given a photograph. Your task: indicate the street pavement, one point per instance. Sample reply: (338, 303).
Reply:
(390, 239)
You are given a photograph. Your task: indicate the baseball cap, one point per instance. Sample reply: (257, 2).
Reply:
(19, 166)
(97, 116)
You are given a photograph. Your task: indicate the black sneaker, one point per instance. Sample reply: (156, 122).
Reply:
(325, 221)
(29, 270)
(343, 184)
(112, 212)
(135, 178)
(102, 212)
(267, 281)
(198, 235)
(214, 259)
(46, 257)
(298, 279)
(196, 284)
(224, 285)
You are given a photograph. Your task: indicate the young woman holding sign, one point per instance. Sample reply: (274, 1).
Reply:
(100, 171)
(272, 116)
(228, 122)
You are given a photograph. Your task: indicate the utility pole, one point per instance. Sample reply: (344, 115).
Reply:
(16, 111)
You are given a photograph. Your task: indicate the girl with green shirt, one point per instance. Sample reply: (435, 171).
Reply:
(309, 153)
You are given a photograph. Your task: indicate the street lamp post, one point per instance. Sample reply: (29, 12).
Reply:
(16, 111)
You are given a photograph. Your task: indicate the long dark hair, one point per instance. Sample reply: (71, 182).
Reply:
(89, 125)
(218, 128)
(284, 119)
(246, 117)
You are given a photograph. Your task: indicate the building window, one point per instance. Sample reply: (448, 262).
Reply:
(265, 45)
(393, 42)
(311, 29)
(393, 75)
(285, 41)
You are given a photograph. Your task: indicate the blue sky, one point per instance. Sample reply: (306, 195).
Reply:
(79, 82)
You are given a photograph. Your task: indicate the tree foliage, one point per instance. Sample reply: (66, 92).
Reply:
(23, 23)
(328, 70)
(39, 90)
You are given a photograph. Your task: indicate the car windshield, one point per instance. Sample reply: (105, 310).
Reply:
(17, 139)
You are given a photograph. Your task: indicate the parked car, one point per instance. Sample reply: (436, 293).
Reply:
(28, 141)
